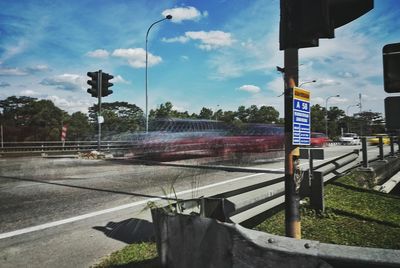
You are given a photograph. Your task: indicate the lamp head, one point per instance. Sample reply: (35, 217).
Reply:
(168, 17)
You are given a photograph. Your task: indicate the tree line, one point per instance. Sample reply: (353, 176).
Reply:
(29, 119)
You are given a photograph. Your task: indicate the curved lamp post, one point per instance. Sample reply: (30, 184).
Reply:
(168, 17)
(348, 107)
(326, 113)
(347, 114)
(313, 81)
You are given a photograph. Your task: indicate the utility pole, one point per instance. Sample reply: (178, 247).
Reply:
(292, 198)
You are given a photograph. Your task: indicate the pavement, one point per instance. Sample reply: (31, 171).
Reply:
(71, 212)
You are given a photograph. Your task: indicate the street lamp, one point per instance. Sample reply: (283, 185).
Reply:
(348, 107)
(168, 17)
(347, 113)
(326, 113)
(313, 81)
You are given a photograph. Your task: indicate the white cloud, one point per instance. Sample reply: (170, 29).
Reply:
(119, 79)
(68, 82)
(179, 39)
(38, 68)
(208, 40)
(4, 71)
(29, 92)
(98, 53)
(137, 57)
(71, 104)
(327, 83)
(250, 88)
(180, 14)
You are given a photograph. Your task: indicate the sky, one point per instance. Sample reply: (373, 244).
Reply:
(218, 54)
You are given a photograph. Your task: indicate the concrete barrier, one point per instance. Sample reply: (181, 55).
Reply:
(198, 242)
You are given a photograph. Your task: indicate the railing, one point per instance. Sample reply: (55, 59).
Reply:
(39, 147)
(246, 205)
(249, 204)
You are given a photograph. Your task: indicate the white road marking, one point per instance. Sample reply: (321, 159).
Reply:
(101, 212)
(130, 205)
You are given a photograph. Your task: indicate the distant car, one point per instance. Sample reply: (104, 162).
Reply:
(319, 139)
(375, 139)
(350, 139)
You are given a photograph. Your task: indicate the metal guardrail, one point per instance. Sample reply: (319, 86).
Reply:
(243, 205)
(39, 147)
(246, 204)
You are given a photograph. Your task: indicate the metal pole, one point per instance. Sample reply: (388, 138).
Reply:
(292, 199)
(2, 141)
(380, 148)
(99, 76)
(147, 60)
(391, 146)
(364, 152)
(326, 116)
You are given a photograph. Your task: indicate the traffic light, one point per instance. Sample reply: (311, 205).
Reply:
(105, 84)
(391, 67)
(94, 82)
(304, 22)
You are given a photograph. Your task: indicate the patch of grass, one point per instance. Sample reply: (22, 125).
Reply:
(142, 255)
(354, 216)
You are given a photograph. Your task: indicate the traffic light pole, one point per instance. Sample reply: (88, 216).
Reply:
(292, 198)
(99, 77)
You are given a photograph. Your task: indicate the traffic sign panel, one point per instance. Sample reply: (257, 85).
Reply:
(301, 117)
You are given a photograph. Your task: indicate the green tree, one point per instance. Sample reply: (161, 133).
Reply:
(79, 127)
(335, 121)
(118, 117)
(242, 114)
(205, 113)
(26, 118)
(317, 118)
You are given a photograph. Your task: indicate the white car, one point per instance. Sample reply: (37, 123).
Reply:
(350, 139)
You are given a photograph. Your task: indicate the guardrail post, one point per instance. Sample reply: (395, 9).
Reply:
(380, 148)
(391, 146)
(398, 143)
(364, 152)
(305, 185)
(317, 191)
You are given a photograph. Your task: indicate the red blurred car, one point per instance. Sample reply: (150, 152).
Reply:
(319, 139)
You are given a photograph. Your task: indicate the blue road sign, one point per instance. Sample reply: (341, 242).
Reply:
(301, 117)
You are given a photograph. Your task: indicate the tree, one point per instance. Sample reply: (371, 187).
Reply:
(317, 118)
(26, 118)
(79, 127)
(370, 123)
(335, 121)
(118, 117)
(205, 113)
(242, 114)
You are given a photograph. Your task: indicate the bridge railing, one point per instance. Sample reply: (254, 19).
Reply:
(38, 147)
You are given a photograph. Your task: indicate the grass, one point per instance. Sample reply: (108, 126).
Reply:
(354, 216)
(143, 255)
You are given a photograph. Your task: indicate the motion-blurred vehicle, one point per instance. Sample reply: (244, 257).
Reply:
(350, 139)
(187, 138)
(319, 139)
(375, 139)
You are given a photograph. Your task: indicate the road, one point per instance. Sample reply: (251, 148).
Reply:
(70, 212)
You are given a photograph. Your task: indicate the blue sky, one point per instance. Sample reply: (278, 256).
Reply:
(215, 54)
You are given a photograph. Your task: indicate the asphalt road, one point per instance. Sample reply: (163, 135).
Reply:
(69, 212)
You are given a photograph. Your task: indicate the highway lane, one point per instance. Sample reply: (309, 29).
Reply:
(35, 191)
